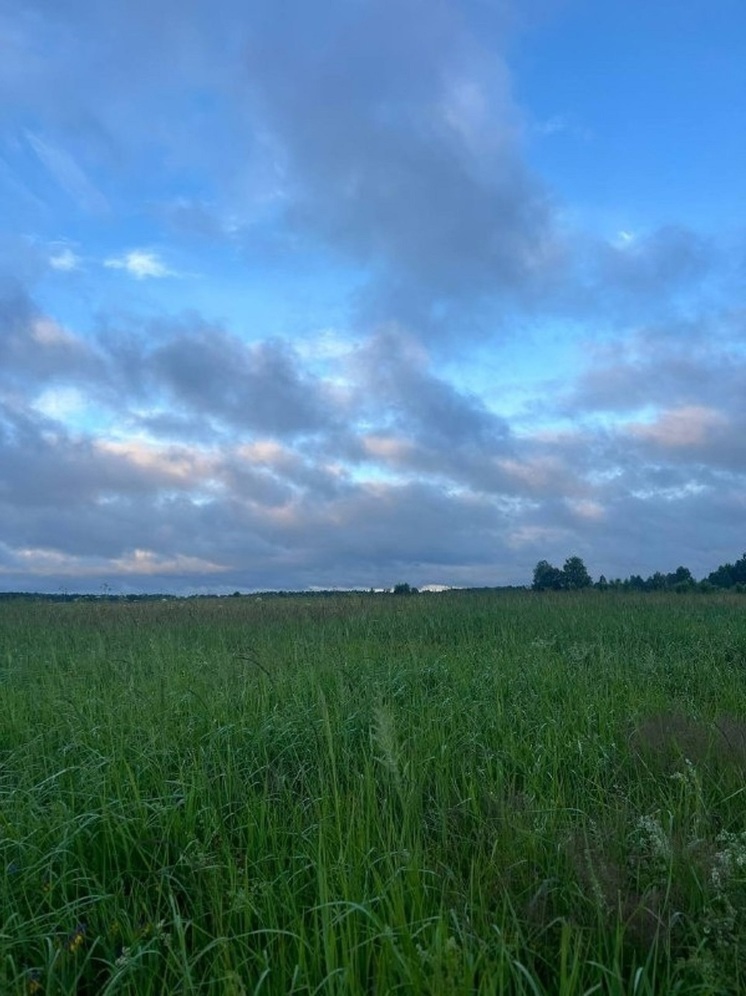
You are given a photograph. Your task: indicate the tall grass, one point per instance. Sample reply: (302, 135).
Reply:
(457, 793)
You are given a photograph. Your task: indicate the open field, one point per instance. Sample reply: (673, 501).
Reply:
(457, 793)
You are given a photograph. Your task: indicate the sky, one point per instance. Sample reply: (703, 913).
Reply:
(357, 292)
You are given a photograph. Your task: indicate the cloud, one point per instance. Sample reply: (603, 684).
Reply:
(146, 562)
(44, 563)
(417, 176)
(643, 266)
(105, 133)
(372, 468)
(68, 174)
(140, 263)
(259, 385)
(185, 377)
(263, 513)
(379, 154)
(395, 385)
(35, 348)
(60, 403)
(679, 362)
(415, 171)
(561, 124)
(421, 177)
(685, 427)
(64, 259)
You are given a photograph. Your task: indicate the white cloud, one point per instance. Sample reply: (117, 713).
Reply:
(624, 239)
(144, 562)
(60, 402)
(562, 124)
(68, 174)
(140, 263)
(64, 259)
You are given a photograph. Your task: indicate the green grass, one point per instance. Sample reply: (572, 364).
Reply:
(457, 793)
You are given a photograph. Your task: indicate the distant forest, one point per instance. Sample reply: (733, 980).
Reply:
(574, 576)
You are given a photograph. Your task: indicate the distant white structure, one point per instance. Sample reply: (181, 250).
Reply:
(435, 587)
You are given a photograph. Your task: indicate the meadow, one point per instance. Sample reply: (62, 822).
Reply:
(468, 792)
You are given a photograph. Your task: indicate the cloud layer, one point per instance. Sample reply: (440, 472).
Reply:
(471, 380)
(198, 460)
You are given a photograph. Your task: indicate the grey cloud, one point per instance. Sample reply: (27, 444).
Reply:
(383, 127)
(699, 361)
(417, 171)
(407, 526)
(44, 466)
(259, 386)
(703, 442)
(215, 381)
(396, 386)
(279, 478)
(663, 274)
(375, 535)
(272, 523)
(84, 499)
(188, 428)
(400, 146)
(33, 348)
(474, 503)
(670, 257)
(652, 534)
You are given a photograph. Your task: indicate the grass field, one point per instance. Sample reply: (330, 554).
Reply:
(457, 793)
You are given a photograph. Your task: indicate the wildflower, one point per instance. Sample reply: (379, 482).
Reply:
(730, 860)
(652, 839)
(33, 981)
(147, 928)
(76, 939)
(123, 958)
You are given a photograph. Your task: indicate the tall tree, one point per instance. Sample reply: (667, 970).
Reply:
(728, 575)
(547, 577)
(575, 574)
(680, 579)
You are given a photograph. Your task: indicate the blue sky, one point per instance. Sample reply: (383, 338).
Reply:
(350, 293)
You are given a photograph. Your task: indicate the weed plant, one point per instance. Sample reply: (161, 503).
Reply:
(493, 793)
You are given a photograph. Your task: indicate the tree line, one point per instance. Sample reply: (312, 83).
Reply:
(574, 576)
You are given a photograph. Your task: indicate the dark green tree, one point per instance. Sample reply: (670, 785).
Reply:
(680, 580)
(575, 575)
(404, 589)
(728, 575)
(547, 577)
